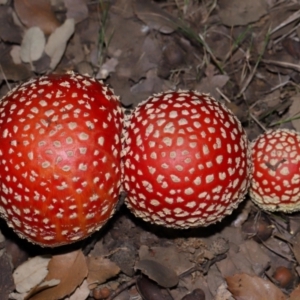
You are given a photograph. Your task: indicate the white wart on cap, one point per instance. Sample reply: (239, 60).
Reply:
(275, 180)
(186, 160)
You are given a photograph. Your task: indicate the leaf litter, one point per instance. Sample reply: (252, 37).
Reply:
(243, 53)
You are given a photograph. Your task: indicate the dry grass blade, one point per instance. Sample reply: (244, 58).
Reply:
(295, 16)
(282, 64)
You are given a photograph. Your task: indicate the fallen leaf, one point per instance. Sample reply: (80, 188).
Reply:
(82, 292)
(6, 280)
(33, 45)
(9, 31)
(15, 54)
(148, 289)
(107, 68)
(70, 269)
(167, 256)
(31, 273)
(36, 13)
(100, 270)
(164, 276)
(57, 42)
(156, 18)
(9, 70)
(295, 294)
(247, 287)
(76, 9)
(237, 12)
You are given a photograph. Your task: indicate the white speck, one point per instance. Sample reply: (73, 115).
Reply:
(72, 125)
(82, 167)
(167, 141)
(197, 180)
(101, 141)
(219, 159)
(209, 178)
(189, 191)
(285, 171)
(30, 155)
(205, 149)
(49, 112)
(175, 178)
(179, 141)
(83, 136)
(182, 122)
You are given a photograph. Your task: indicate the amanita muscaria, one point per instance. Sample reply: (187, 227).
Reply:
(59, 157)
(186, 160)
(275, 180)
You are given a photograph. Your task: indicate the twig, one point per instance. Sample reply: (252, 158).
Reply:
(257, 122)
(282, 64)
(203, 268)
(122, 288)
(289, 20)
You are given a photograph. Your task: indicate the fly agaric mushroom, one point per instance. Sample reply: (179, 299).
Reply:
(186, 160)
(275, 178)
(59, 158)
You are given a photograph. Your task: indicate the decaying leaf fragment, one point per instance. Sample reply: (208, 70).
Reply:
(36, 13)
(57, 42)
(31, 273)
(155, 17)
(100, 270)
(164, 276)
(242, 286)
(33, 45)
(70, 269)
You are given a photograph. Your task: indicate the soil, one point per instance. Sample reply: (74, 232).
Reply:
(243, 53)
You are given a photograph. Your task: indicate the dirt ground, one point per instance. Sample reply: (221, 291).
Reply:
(246, 55)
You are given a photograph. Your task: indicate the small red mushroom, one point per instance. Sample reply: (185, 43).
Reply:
(186, 160)
(275, 179)
(60, 155)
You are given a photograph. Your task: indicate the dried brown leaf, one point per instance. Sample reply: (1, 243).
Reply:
(295, 295)
(292, 47)
(31, 273)
(6, 279)
(156, 18)
(82, 292)
(70, 269)
(37, 13)
(247, 287)
(236, 12)
(9, 70)
(9, 31)
(57, 42)
(100, 270)
(164, 276)
(148, 289)
(296, 248)
(76, 9)
(33, 45)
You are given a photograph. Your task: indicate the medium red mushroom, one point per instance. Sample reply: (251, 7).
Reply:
(186, 161)
(59, 158)
(275, 180)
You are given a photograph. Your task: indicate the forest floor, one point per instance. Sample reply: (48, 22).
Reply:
(243, 53)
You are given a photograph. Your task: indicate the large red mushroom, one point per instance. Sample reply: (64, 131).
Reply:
(275, 180)
(59, 158)
(186, 160)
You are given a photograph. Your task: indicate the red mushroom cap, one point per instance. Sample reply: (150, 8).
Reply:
(59, 158)
(275, 180)
(186, 161)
